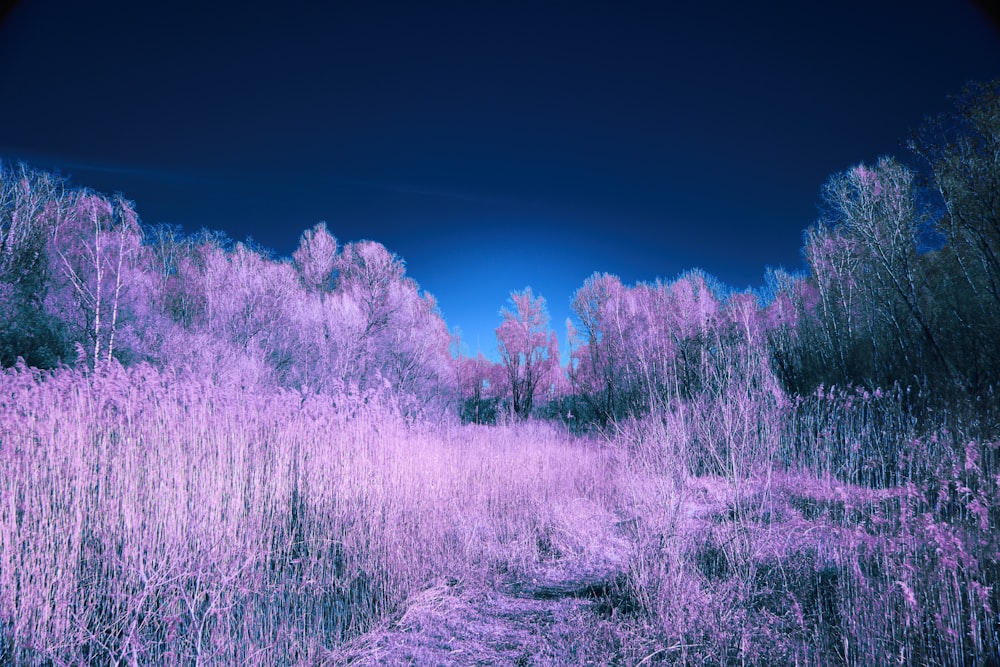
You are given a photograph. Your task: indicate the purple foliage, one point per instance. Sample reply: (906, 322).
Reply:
(529, 351)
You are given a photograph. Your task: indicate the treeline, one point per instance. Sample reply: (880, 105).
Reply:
(903, 287)
(82, 283)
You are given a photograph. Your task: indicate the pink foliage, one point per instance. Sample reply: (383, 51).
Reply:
(529, 351)
(695, 305)
(316, 257)
(95, 254)
(781, 313)
(742, 312)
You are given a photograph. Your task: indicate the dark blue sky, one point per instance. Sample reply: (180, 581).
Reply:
(491, 145)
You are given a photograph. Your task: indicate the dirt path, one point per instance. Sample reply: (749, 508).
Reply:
(571, 611)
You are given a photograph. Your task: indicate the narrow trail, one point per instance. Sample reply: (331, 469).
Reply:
(569, 611)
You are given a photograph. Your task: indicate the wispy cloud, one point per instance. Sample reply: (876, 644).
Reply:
(70, 165)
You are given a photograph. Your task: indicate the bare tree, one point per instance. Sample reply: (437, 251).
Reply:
(96, 243)
(528, 349)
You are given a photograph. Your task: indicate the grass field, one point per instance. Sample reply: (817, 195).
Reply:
(156, 519)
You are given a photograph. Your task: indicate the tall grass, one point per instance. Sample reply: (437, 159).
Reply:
(873, 537)
(152, 518)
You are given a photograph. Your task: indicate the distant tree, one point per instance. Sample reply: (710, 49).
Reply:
(316, 257)
(168, 245)
(598, 357)
(962, 151)
(476, 391)
(94, 249)
(876, 213)
(324, 327)
(371, 276)
(31, 203)
(789, 319)
(844, 330)
(528, 348)
(634, 347)
(693, 309)
(417, 362)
